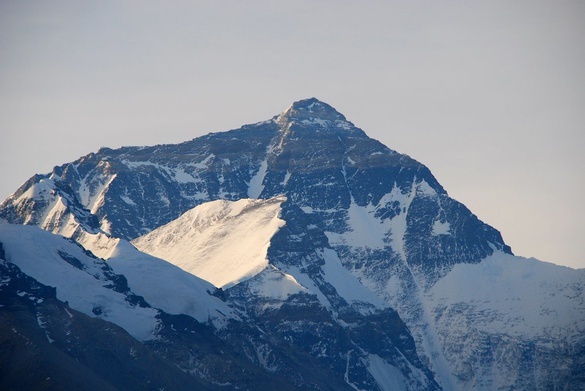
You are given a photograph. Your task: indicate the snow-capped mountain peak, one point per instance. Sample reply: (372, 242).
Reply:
(315, 114)
(331, 244)
(311, 108)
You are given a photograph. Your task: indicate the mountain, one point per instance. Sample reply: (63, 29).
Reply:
(330, 251)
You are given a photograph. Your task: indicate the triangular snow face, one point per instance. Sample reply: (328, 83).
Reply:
(223, 242)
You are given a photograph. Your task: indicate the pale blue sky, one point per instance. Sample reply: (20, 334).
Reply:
(489, 95)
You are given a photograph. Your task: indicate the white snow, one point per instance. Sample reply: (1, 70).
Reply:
(136, 164)
(256, 182)
(424, 188)
(96, 199)
(39, 191)
(166, 286)
(178, 173)
(507, 297)
(55, 215)
(388, 377)
(398, 228)
(127, 200)
(345, 283)
(441, 228)
(162, 284)
(273, 283)
(181, 176)
(41, 324)
(308, 283)
(36, 253)
(102, 246)
(365, 230)
(316, 121)
(368, 231)
(516, 296)
(83, 192)
(223, 242)
(286, 178)
(205, 162)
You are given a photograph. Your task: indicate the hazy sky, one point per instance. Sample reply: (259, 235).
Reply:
(490, 95)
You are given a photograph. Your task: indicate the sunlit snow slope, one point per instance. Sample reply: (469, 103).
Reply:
(223, 242)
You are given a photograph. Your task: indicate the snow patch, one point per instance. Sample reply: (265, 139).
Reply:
(96, 198)
(345, 283)
(256, 183)
(101, 245)
(388, 377)
(286, 178)
(398, 223)
(41, 190)
(365, 230)
(441, 228)
(368, 231)
(183, 177)
(127, 200)
(425, 189)
(316, 121)
(205, 162)
(273, 283)
(308, 283)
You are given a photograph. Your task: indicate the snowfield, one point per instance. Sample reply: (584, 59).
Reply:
(223, 242)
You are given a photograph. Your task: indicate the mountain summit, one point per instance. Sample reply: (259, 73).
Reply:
(313, 119)
(363, 273)
(311, 109)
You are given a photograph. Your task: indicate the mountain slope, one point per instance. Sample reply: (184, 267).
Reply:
(222, 242)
